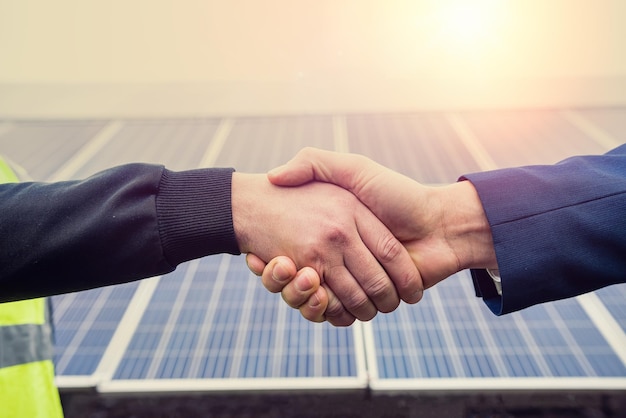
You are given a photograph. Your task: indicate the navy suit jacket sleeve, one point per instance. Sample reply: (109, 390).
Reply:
(558, 230)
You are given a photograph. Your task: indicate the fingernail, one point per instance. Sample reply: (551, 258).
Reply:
(275, 171)
(303, 283)
(314, 301)
(280, 273)
(416, 297)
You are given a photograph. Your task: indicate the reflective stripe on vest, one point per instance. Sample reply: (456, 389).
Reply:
(26, 370)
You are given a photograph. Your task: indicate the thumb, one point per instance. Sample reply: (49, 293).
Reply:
(312, 164)
(297, 171)
(291, 174)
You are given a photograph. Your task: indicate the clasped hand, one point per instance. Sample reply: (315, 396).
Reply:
(351, 237)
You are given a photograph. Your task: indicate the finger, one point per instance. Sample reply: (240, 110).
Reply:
(335, 313)
(399, 268)
(255, 264)
(278, 273)
(315, 307)
(350, 292)
(305, 283)
(368, 272)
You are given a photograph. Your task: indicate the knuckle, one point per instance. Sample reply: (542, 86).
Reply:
(334, 310)
(361, 307)
(336, 235)
(379, 287)
(389, 248)
(410, 282)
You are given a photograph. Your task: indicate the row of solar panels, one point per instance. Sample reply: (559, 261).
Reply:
(211, 326)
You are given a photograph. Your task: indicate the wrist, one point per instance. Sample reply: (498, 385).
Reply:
(466, 227)
(245, 190)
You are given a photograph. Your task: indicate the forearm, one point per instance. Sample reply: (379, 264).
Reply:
(123, 224)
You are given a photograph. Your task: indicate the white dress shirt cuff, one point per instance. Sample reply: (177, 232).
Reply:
(497, 281)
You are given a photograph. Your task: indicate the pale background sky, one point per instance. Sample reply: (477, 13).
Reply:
(455, 52)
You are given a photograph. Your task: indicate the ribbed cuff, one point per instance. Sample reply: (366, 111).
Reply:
(195, 214)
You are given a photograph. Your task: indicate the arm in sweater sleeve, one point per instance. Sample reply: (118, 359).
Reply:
(558, 231)
(123, 224)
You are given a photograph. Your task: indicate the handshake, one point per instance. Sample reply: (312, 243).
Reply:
(342, 237)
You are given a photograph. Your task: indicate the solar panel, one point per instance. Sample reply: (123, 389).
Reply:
(450, 336)
(211, 326)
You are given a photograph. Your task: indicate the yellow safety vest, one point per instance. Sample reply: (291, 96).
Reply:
(27, 387)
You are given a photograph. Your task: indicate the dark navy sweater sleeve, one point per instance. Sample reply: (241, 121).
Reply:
(123, 224)
(559, 230)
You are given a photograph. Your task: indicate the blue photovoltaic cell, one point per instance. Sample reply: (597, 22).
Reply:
(449, 334)
(213, 319)
(84, 324)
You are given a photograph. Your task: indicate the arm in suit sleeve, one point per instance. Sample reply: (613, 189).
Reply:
(123, 224)
(558, 231)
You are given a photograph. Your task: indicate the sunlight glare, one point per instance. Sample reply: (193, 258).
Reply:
(467, 23)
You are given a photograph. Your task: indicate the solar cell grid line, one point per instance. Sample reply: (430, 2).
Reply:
(242, 333)
(531, 345)
(597, 350)
(85, 325)
(413, 362)
(569, 339)
(514, 343)
(127, 326)
(177, 304)
(392, 336)
(279, 342)
(446, 330)
(205, 331)
(479, 353)
(605, 322)
(574, 344)
(318, 350)
(494, 354)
